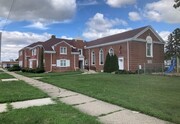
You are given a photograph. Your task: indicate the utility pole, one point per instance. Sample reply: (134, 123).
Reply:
(0, 44)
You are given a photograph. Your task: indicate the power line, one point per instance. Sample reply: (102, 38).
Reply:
(3, 28)
(8, 14)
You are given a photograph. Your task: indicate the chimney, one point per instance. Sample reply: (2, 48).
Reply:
(53, 36)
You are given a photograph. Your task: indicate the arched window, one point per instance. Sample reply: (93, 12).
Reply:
(101, 57)
(93, 58)
(149, 46)
(111, 51)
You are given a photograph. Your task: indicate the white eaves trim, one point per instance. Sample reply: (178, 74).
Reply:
(77, 53)
(110, 43)
(49, 51)
(143, 40)
(149, 28)
(35, 47)
(63, 42)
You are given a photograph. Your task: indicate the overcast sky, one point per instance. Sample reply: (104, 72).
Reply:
(36, 20)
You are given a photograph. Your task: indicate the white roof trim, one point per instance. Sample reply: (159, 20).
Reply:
(153, 31)
(77, 53)
(143, 40)
(62, 42)
(35, 47)
(49, 51)
(110, 43)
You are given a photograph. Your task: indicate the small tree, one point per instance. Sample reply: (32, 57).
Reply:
(107, 63)
(173, 45)
(111, 63)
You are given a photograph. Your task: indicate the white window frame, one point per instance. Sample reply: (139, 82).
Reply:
(20, 63)
(149, 42)
(34, 52)
(101, 57)
(111, 51)
(63, 63)
(93, 58)
(80, 52)
(63, 50)
(20, 53)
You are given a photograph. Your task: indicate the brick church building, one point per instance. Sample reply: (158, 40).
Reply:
(133, 48)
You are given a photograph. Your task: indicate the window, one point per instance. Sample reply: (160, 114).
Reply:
(80, 52)
(92, 58)
(86, 62)
(149, 47)
(101, 57)
(20, 53)
(111, 51)
(20, 63)
(63, 50)
(33, 52)
(62, 63)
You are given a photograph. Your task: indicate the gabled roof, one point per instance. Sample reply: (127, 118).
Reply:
(124, 36)
(48, 45)
(34, 44)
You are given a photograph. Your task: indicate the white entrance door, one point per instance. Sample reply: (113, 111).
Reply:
(30, 64)
(121, 63)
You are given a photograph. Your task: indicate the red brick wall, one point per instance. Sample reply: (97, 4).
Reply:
(57, 56)
(116, 48)
(138, 54)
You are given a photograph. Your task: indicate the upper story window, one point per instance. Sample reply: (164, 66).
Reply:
(92, 58)
(63, 50)
(149, 47)
(33, 52)
(111, 51)
(101, 57)
(80, 52)
(20, 53)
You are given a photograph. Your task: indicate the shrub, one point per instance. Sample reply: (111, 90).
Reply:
(111, 63)
(124, 72)
(14, 68)
(37, 70)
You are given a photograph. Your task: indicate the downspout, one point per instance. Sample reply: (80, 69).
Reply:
(37, 57)
(74, 62)
(89, 59)
(128, 55)
(51, 63)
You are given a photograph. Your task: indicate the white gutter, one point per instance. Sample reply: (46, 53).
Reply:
(128, 55)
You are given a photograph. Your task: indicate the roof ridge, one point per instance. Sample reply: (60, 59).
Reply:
(120, 33)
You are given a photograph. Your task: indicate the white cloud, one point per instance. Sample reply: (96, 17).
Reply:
(39, 10)
(134, 16)
(162, 10)
(87, 2)
(66, 37)
(99, 26)
(164, 35)
(38, 25)
(3, 23)
(12, 42)
(119, 3)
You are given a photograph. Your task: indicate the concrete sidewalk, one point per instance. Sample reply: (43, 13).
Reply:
(105, 112)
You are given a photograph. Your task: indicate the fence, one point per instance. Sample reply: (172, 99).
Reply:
(149, 68)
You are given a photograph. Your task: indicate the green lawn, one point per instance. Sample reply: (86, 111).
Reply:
(48, 74)
(5, 76)
(154, 95)
(18, 91)
(49, 114)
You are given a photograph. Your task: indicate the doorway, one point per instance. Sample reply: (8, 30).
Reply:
(121, 63)
(80, 64)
